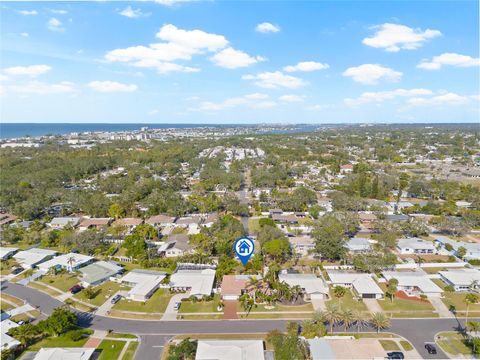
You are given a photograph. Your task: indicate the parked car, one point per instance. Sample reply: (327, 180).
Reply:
(116, 299)
(177, 306)
(75, 289)
(431, 348)
(395, 355)
(17, 270)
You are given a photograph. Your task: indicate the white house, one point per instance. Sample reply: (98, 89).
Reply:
(230, 350)
(461, 279)
(358, 245)
(362, 284)
(7, 252)
(7, 342)
(32, 257)
(414, 283)
(70, 262)
(61, 222)
(313, 286)
(64, 354)
(472, 250)
(143, 283)
(199, 282)
(415, 246)
(302, 244)
(160, 220)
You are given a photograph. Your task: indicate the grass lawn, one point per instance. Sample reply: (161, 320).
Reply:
(121, 336)
(4, 306)
(348, 302)
(61, 341)
(156, 304)
(389, 345)
(131, 349)
(200, 317)
(110, 349)
(453, 343)
(253, 225)
(406, 345)
(287, 308)
(6, 266)
(79, 306)
(40, 286)
(403, 305)
(200, 306)
(457, 299)
(102, 293)
(62, 282)
(128, 266)
(12, 299)
(137, 316)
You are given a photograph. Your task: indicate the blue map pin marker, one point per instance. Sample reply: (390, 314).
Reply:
(244, 249)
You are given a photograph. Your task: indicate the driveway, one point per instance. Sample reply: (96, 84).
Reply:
(440, 307)
(170, 313)
(230, 309)
(319, 304)
(372, 305)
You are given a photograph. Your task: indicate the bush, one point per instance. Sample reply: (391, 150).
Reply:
(449, 288)
(75, 335)
(474, 262)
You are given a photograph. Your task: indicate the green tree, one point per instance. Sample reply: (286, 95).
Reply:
(116, 211)
(329, 238)
(339, 292)
(469, 300)
(185, 350)
(379, 321)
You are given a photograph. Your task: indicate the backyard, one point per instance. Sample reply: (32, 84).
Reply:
(156, 304)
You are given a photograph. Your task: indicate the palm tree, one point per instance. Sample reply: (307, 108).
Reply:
(296, 291)
(333, 315)
(469, 299)
(70, 262)
(360, 321)
(320, 316)
(347, 318)
(24, 334)
(379, 321)
(473, 326)
(247, 302)
(339, 292)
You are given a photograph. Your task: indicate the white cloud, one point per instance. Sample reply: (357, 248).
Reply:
(171, 2)
(232, 59)
(255, 101)
(306, 66)
(371, 74)
(381, 96)
(112, 86)
(448, 99)
(58, 11)
(192, 39)
(274, 80)
(179, 45)
(394, 37)
(451, 59)
(3, 77)
(24, 34)
(153, 112)
(32, 70)
(28, 12)
(267, 27)
(41, 88)
(133, 13)
(54, 24)
(291, 98)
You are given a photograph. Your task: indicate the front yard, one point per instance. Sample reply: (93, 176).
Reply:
(200, 306)
(61, 341)
(349, 302)
(407, 308)
(101, 293)
(156, 304)
(110, 349)
(457, 299)
(454, 344)
(62, 281)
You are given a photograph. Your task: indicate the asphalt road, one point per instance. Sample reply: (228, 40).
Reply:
(154, 334)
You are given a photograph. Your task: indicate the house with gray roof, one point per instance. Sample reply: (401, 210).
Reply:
(362, 284)
(99, 272)
(415, 246)
(461, 279)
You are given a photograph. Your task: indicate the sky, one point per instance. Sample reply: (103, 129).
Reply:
(170, 61)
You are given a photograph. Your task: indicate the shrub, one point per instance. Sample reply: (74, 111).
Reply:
(75, 335)
(449, 288)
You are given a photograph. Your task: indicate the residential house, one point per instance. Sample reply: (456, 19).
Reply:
(177, 245)
(199, 282)
(129, 223)
(32, 257)
(161, 220)
(99, 272)
(363, 285)
(143, 283)
(7, 252)
(346, 169)
(414, 283)
(302, 245)
(210, 219)
(72, 353)
(415, 246)
(70, 262)
(314, 287)
(232, 286)
(62, 222)
(472, 250)
(191, 223)
(358, 245)
(6, 219)
(461, 279)
(230, 350)
(94, 223)
(7, 342)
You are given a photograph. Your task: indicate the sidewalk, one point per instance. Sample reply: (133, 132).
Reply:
(440, 307)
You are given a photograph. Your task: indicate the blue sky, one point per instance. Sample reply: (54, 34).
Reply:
(240, 62)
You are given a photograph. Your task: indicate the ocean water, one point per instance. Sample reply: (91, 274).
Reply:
(12, 130)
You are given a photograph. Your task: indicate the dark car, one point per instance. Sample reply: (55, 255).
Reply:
(75, 289)
(17, 270)
(395, 355)
(116, 299)
(431, 349)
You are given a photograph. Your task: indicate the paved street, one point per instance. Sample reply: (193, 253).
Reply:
(417, 331)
